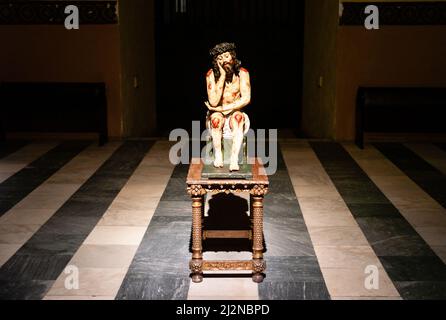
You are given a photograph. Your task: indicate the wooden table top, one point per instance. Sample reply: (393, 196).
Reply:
(259, 176)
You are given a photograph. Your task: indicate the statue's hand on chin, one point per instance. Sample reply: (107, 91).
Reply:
(222, 71)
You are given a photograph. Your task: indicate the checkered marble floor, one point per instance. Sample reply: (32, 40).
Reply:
(340, 223)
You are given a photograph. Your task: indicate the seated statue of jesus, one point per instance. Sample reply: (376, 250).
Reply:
(229, 91)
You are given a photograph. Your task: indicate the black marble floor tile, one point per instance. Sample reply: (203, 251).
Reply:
(7, 204)
(357, 190)
(281, 191)
(45, 255)
(9, 147)
(165, 247)
(331, 150)
(170, 226)
(360, 182)
(175, 208)
(414, 268)
(380, 228)
(69, 225)
(9, 192)
(180, 172)
(287, 237)
(106, 196)
(302, 290)
(45, 243)
(125, 161)
(24, 289)
(176, 190)
(378, 210)
(156, 287)
(277, 207)
(343, 171)
(281, 165)
(422, 290)
(77, 208)
(316, 291)
(279, 175)
(407, 245)
(160, 268)
(429, 178)
(168, 261)
(27, 175)
(393, 237)
(351, 182)
(103, 184)
(359, 197)
(293, 269)
(26, 180)
(109, 177)
(34, 267)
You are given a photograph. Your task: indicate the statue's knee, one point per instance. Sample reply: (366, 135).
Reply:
(217, 121)
(237, 120)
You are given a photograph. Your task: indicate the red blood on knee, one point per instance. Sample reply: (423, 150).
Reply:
(216, 123)
(238, 118)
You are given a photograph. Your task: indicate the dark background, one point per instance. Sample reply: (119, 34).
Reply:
(269, 38)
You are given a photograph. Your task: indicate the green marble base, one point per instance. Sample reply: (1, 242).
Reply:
(210, 172)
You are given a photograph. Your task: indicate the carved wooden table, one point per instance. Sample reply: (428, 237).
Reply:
(197, 188)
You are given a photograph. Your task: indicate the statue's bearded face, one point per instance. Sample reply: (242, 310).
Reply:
(227, 61)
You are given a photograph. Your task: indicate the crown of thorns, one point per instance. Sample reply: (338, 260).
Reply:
(222, 48)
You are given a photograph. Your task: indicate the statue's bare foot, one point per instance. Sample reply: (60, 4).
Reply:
(234, 166)
(218, 163)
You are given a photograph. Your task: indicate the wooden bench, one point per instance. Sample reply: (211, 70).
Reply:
(400, 110)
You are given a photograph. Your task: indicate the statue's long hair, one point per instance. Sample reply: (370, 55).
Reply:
(218, 50)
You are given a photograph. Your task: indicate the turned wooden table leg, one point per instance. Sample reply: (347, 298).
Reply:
(196, 264)
(259, 265)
